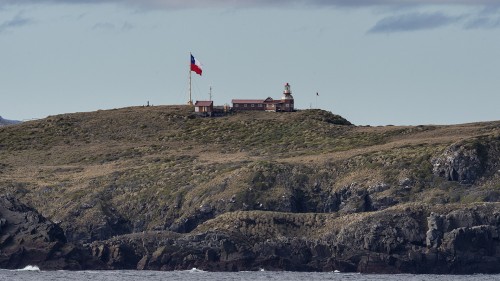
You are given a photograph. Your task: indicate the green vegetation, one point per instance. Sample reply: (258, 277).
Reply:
(152, 168)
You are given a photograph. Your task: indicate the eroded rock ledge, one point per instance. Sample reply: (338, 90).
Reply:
(414, 238)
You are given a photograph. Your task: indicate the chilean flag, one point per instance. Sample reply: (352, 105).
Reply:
(196, 65)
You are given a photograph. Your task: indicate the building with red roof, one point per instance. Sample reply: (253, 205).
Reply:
(284, 104)
(204, 107)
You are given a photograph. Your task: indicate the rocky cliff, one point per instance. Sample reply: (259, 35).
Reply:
(160, 188)
(27, 238)
(413, 238)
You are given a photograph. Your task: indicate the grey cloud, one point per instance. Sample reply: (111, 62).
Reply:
(16, 21)
(483, 23)
(104, 25)
(487, 18)
(413, 22)
(126, 26)
(490, 9)
(393, 23)
(250, 3)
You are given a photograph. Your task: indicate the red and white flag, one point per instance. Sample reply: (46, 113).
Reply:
(196, 65)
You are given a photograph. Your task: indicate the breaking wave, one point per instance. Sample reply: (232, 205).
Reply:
(30, 268)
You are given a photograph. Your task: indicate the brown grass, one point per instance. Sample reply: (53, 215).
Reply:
(143, 161)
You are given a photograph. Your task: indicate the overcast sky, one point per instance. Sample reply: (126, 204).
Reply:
(375, 62)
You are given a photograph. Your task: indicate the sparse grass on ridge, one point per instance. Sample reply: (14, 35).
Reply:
(147, 168)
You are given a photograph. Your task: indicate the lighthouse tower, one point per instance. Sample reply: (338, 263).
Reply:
(287, 99)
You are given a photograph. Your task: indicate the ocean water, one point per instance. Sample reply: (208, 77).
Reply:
(195, 275)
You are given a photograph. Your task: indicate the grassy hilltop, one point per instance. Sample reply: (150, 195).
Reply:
(113, 172)
(145, 168)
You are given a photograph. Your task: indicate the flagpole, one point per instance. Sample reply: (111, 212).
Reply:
(190, 101)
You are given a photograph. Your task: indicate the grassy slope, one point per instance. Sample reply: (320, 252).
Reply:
(146, 168)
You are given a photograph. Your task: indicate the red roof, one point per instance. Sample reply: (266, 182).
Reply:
(203, 103)
(266, 101)
(247, 101)
(271, 101)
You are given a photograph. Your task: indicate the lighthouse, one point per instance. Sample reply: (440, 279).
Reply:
(287, 99)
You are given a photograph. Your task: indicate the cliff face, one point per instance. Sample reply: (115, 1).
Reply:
(467, 161)
(159, 188)
(412, 239)
(27, 238)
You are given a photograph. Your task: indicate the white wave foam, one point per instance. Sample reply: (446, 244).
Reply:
(30, 268)
(195, 270)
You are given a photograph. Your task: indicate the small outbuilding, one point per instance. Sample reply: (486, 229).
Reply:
(204, 107)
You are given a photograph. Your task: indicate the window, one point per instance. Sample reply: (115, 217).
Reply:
(245, 105)
(287, 105)
(236, 105)
(260, 104)
(253, 105)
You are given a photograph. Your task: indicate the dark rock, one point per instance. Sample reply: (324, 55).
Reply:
(458, 164)
(435, 231)
(413, 240)
(108, 223)
(191, 221)
(380, 187)
(467, 161)
(354, 199)
(27, 238)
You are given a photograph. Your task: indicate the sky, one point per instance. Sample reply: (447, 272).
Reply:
(375, 62)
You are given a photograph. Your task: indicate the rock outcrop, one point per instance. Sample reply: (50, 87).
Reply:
(467, 161)
(416, 239)
(27, 238)
(162, 189)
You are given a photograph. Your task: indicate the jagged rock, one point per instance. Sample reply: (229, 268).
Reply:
(141, 265)
(458, 165)
(353, 199)
(467, 161)
(379, 187)
(27, 238)
(406, 182)
(414, 239)
(473, 249)
(435, 231)
(188, 223)
(105, 223)
(383, 202)
(284, 202)
(472, 240)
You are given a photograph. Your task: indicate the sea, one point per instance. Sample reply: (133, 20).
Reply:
(33, 273)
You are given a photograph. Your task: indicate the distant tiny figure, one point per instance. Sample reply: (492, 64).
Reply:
(148, 104)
